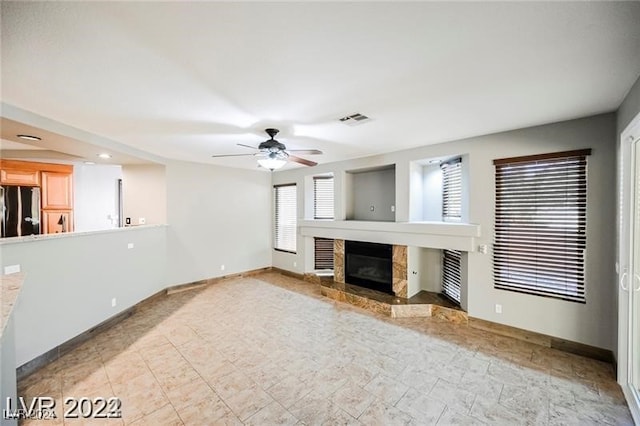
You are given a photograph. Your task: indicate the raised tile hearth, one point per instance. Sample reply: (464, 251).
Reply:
(423, 304)
(396, 305)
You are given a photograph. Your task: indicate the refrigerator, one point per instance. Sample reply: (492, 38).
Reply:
(20, 210)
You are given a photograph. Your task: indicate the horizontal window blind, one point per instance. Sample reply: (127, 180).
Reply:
(452, 190)
(451, 274)
(323, 197)
(540, 225)
(323, 253)
(285, 217)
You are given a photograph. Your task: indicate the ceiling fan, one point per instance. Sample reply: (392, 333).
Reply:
(273, 154)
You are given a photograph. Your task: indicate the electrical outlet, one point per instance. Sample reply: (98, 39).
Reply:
(130, 245)
(113, 302)
(498, 308)
(142, 221)
(295, 264)
(393, 209)
(222, 267)
(11, 269)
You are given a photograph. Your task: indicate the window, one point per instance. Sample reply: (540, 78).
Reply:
(323, 197)
(451, 274)
(452, 190)
(323, 254)
(286, 212)
(323, 209)
(540, 225)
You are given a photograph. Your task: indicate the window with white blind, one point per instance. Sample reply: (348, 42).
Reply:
(323, 197)
(285, 217)
(540, 225)
(323, 253)
(452, 190)
(451, 274)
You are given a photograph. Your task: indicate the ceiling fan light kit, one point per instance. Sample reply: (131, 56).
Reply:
(274, 155)
(271, 163)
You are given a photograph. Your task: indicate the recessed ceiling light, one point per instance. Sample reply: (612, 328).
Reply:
(89, 163)
(104, 156)
(29, 137)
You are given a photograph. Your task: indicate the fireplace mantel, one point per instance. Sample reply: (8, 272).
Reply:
(440, 235)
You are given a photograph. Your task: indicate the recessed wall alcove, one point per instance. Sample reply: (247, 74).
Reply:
(370, 194)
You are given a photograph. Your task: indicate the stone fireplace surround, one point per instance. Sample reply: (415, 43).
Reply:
(399, 266)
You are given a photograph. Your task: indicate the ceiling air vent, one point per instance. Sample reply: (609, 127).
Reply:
(355, 119)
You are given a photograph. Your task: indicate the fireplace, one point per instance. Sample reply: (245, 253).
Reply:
(369, 265)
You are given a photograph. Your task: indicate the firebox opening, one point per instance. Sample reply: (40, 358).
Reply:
(369, 265)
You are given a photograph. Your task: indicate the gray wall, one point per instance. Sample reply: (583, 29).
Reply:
(377, 189)
(218, 216)
(629, 107)
(7, 370)
(144, 188)
(71, 280)
(432, 192)
(591, 323)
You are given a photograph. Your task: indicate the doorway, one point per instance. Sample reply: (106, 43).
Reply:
(629, 268)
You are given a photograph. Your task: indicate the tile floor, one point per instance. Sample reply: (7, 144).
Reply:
(270, 350)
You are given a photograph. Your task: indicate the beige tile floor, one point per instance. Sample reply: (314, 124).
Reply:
(271, 350)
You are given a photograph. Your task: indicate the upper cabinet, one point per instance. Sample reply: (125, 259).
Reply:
(10, 176)
(57, 190)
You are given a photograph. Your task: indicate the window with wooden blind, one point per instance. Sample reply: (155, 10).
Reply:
(323, 253)
(540, 225)
(451, 274)
(285, 217)
(323, 197)
(452, 190)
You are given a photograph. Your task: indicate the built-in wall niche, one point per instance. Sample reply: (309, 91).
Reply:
(427, 271)
(370, 194)
(439, 189)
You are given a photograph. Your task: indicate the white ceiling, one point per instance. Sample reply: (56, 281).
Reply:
(186, 80)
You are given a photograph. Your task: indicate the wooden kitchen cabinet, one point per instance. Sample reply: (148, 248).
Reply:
(57, 190)
(20, 177)
(51, 221)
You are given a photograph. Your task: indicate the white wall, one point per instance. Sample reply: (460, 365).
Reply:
(591, 323)
(95, 204)
(144, 190)
(218, 216)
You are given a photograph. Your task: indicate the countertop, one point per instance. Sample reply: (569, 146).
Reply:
(10, 286)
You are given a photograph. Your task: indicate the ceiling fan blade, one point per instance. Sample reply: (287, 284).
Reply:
(306, 151)
(246, 146)
(301, 161)
(231, 155)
